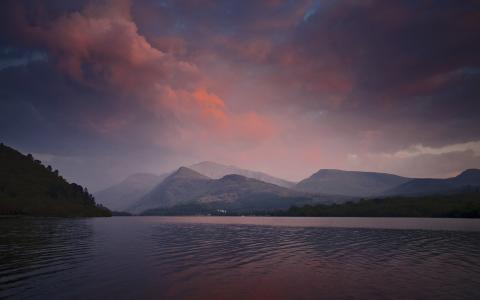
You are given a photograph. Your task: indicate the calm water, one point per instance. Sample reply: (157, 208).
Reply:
(239, 258)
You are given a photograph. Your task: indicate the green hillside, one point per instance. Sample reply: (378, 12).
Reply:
(29, 188)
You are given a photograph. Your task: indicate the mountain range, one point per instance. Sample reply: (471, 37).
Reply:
(216, 171)
(231, 192)
(426, 186)
(350, 183)
(123, 195)
(27, 187)
(215, 186)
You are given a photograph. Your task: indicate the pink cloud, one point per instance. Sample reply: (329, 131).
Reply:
(101, 47)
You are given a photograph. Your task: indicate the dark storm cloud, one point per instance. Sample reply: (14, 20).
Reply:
(411, 62)
(407, 67)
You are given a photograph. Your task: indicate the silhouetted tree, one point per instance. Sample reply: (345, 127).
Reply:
(30, 188)
(462, 205)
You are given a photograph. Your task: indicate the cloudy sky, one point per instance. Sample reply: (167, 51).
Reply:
(103, 89)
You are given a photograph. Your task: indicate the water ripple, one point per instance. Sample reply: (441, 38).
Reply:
(152, 258)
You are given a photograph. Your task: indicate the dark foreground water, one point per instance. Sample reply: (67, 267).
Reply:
(239, 258)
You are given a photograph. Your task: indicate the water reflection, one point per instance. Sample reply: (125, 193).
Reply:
(261, 262)
(33, 250)
(165, 258)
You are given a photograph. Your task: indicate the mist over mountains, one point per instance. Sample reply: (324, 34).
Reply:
(210, 186)
(229, 192)
(426, 186)
(350, 183)
(125, 194)
(122, 195)
(216, 171)
(28, 187)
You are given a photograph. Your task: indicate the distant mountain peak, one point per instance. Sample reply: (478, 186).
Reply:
(232, 191)
(424, 186)
(328, 172)
(234, 177)
(350, 183)
(468, 177)
(216, 170)
(339, 171)
(470, 172)
(184, 172)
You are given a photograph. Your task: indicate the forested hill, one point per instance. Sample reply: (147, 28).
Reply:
(462, 205)
(29, 188)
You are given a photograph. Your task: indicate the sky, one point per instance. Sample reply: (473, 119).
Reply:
(104, 89)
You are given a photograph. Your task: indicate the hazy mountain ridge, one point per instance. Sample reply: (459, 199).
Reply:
(229, 192)
(182, 186)
(426, 186)
(124, 194)
(349, 183)
(239, 192)
(207, 186)
(216, 171)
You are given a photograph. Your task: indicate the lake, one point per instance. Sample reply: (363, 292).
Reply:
(239, 258)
